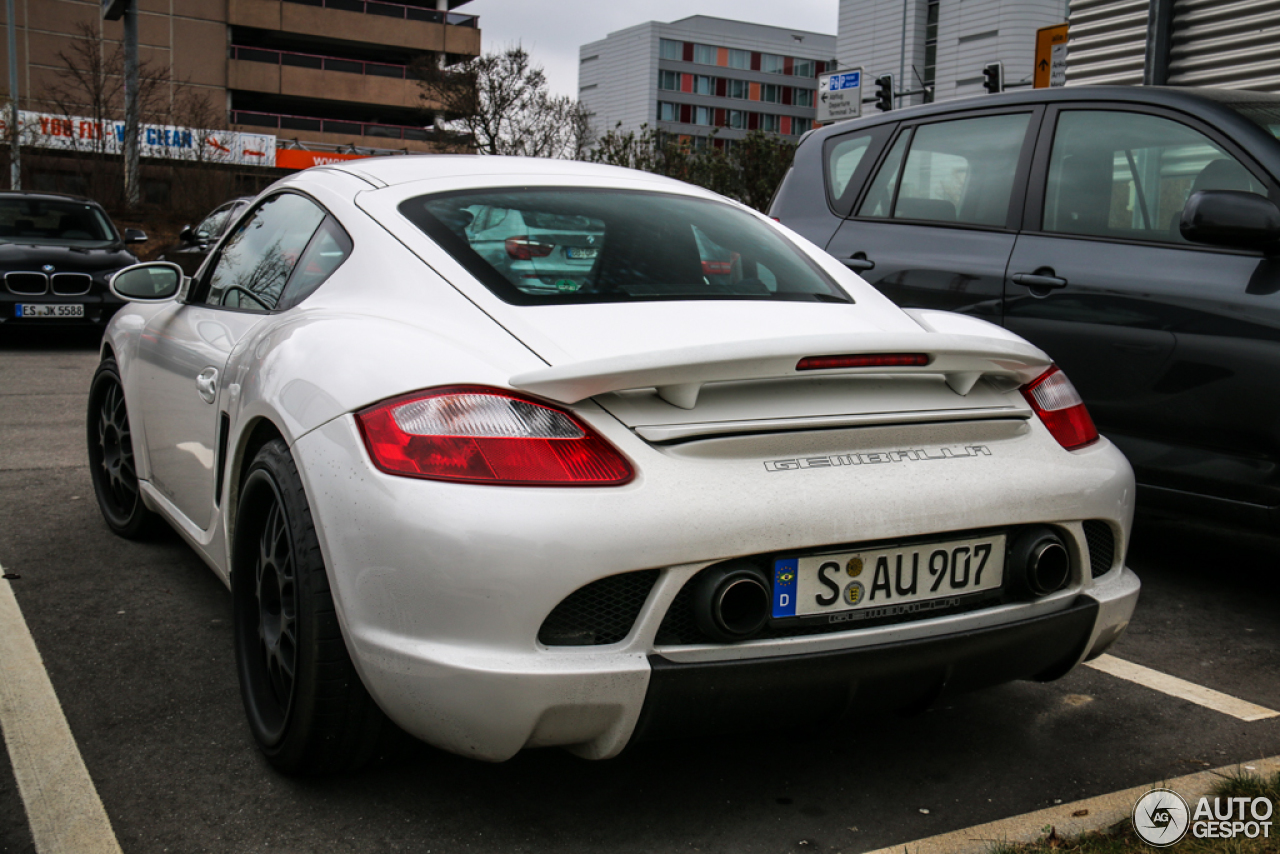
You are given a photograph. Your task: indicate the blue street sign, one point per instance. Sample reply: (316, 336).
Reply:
(848, 80)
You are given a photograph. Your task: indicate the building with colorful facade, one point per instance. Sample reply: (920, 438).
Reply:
(707, 79)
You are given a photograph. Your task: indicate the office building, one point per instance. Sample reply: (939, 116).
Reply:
(1233, 44)
(708, 80)
(938, 48)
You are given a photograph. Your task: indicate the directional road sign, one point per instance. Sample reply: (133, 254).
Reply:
(1051, 56)
(839, 95)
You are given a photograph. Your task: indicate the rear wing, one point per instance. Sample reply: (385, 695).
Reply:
(679, 373)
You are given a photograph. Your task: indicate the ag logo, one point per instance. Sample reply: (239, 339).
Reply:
(48, 268)
(1161, 817)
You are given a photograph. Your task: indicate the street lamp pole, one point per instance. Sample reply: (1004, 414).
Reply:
(132, 186)
(15, 144)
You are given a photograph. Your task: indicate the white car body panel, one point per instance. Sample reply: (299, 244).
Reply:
(441, 587)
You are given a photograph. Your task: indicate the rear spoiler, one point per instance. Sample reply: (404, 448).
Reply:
(678, 374)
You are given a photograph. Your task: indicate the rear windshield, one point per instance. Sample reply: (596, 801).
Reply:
(53, 221)
(533, 246)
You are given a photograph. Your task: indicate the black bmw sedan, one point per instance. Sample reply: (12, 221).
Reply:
(56, 254)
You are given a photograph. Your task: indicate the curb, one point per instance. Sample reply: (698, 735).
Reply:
(1103, 811)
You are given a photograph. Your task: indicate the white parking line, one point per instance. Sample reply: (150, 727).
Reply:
(63, 808)
(1175, 687)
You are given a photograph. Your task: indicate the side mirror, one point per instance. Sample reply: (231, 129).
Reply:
(1231, 218)
(155, 281)
(186, 235)
(135, 235)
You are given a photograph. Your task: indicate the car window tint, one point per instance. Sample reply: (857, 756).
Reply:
(880, 197)
(962, 171)
(843, 160)
(1128, 175)
(325, 253)
(259, 255)
(567, 245)
(68, 223)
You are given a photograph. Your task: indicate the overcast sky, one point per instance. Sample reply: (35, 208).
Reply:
(553, 32)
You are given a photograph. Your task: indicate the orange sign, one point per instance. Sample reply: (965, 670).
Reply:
(292, 158)
(1051, 56)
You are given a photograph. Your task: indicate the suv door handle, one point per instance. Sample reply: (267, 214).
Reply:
(1042, 278)
(858, 262)
(207, 384)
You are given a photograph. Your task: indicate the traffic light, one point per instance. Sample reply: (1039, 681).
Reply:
(884, 92)
(993, 77)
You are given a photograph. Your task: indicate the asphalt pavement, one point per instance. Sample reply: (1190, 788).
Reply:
(136, 638)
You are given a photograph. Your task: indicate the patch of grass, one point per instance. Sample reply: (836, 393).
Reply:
(1121, 838)
(1248, 785)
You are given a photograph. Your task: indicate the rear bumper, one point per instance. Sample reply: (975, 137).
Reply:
(490, 704)
(690, 697)
(442, 588)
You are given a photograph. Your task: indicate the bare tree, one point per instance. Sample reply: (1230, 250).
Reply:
(90, 84)
(499, 104)
(89, 87)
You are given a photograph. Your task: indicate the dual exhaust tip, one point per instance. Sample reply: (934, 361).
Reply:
(731, 601)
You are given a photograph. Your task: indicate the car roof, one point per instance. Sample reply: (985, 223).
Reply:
(1197, 100)
(51, 197)
(400, 169)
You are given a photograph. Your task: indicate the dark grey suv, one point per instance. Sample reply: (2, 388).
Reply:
(1131, 232)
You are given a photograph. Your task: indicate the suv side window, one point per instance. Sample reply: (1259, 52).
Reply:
(257, 259)
(1128, 175)
(843, 159)
(847, 160)
(958, 171)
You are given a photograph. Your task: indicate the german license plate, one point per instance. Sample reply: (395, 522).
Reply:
(580, 253)
(49, 310)
(883, 582)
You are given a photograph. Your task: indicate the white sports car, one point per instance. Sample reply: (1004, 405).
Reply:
(702, 477)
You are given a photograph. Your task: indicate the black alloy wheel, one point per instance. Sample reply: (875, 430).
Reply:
(277, 607)
(112, 463)
(306, 706)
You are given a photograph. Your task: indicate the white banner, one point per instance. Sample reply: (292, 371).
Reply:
(76, 133)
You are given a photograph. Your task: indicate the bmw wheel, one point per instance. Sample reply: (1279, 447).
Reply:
(112, 464)
(307, 708)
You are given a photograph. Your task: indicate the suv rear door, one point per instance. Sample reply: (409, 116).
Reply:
(935, 225)
(1174, 346)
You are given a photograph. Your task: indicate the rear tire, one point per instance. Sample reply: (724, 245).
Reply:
(112, 464)
(306, 706)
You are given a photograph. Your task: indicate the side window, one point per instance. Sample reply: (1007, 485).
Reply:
(843, 159)
(1128, 175)
(962, 171)
(212, 225)
(258, 257)
(325, 253)
(879, 198)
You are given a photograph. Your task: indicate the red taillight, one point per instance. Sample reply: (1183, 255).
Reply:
(483, 435)
(1059, 406)
(523, 248)
(717, 268)
(875, 360)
